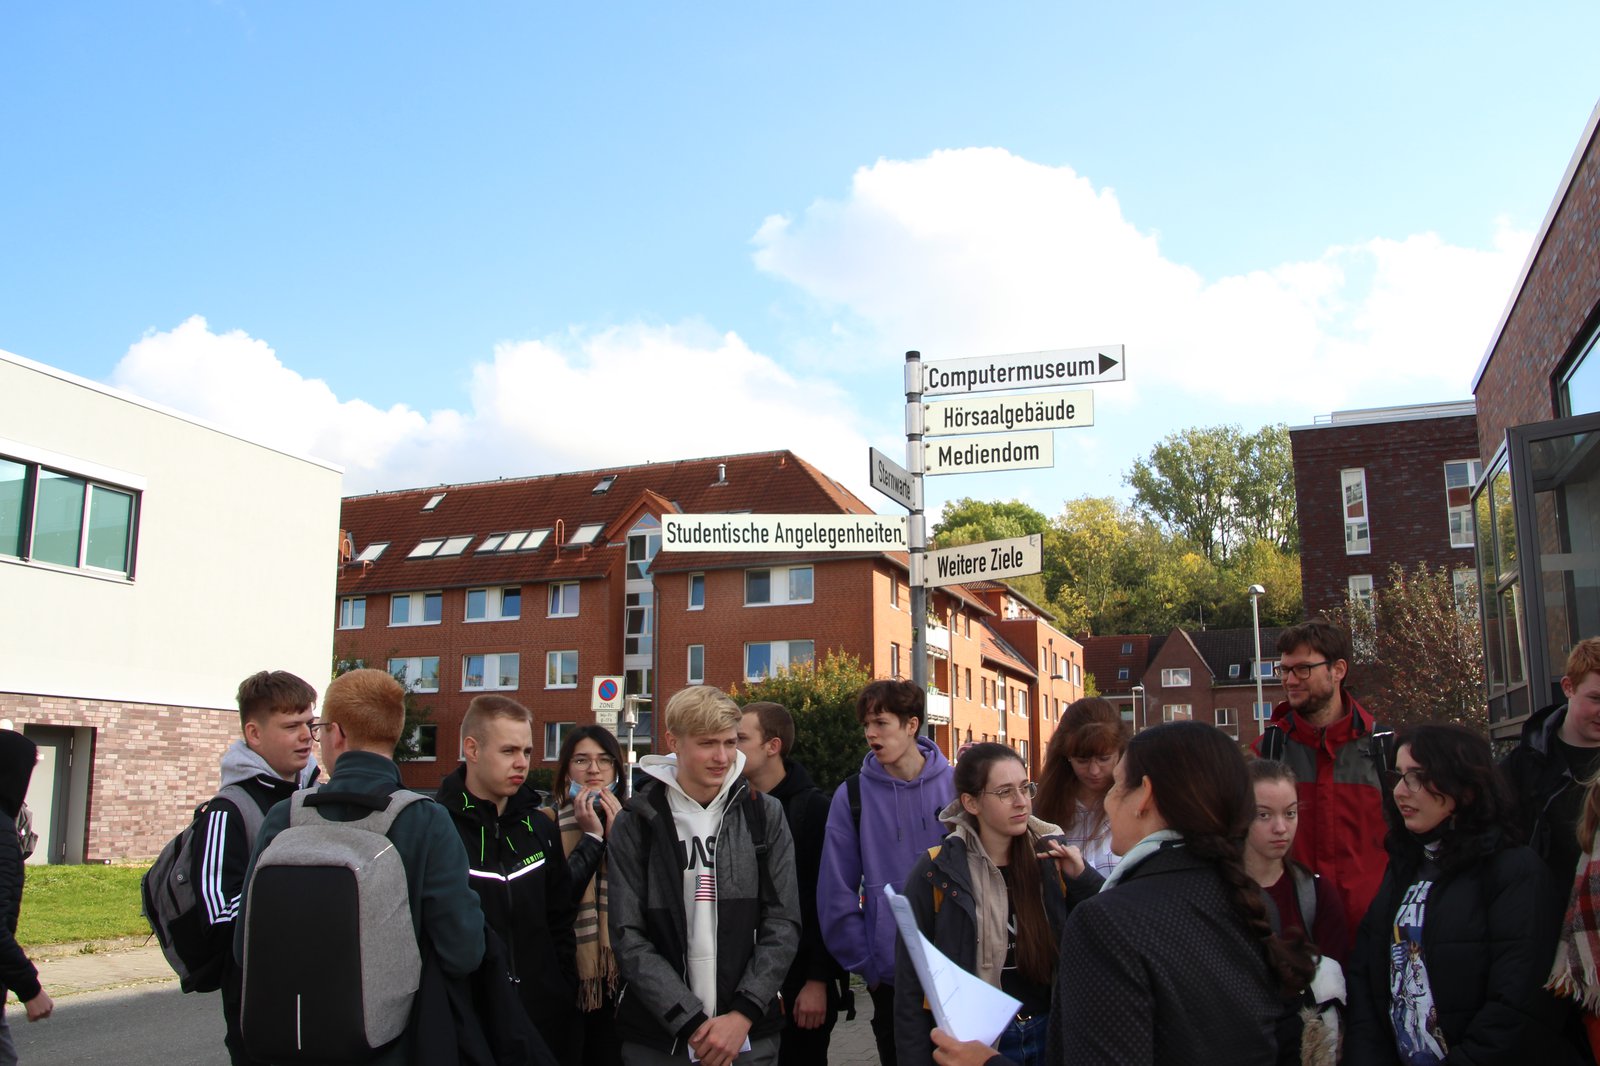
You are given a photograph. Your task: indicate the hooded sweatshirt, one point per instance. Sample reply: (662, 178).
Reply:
(17, 757)
(899, 823)
(697, 828)
(222, 861)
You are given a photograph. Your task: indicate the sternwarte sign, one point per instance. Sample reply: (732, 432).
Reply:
(783, 533)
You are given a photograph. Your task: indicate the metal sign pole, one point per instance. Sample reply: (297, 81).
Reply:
(916, 531)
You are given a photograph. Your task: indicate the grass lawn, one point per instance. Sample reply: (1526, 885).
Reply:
(62, 904)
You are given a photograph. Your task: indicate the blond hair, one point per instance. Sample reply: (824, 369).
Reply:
(701, 709)
(484, 709)
(369, 706)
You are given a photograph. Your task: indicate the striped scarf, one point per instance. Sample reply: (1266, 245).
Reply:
(597, 966)
(1574, 972)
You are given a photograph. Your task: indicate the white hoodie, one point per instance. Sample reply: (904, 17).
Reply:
(697, 827)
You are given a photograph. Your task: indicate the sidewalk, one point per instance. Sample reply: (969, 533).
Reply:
(67, 969)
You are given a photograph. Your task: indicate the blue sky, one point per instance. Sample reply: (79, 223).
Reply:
(443, 242)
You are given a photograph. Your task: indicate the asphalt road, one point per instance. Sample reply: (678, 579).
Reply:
(161, 1027)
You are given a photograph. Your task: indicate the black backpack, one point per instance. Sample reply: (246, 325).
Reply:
(171, 903)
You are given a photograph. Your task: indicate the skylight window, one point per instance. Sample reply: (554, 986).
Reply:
(604, 486)
(585, 534)
(535, 539)
(370, 553)
(454, 546)
(517, 540)
(492, 542)
(433, 501)
(425, 549)
(513, 541)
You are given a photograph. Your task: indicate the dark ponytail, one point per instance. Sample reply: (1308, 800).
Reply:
(1203, 791)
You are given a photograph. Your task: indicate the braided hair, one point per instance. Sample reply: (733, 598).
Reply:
(1203, 791)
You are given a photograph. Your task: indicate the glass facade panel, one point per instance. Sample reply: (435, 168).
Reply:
(58, 518)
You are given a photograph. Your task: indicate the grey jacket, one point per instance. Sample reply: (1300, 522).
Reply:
(758, 919)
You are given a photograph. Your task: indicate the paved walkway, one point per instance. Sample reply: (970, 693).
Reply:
(71, 969)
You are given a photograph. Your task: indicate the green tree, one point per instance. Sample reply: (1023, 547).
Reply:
(970, 521)
(1419, 649)
(412, 743)
(822, 698)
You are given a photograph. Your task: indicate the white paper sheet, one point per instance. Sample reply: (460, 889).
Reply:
(964, 1005)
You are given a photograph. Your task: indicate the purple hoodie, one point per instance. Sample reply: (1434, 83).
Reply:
(899, 823)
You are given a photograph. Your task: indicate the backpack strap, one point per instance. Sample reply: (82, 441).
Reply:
(852, 791)
(1305, 894)
(1274, 742)
(249, 811)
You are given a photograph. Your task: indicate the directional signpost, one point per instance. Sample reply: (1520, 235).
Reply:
(1027, 370)
(1010, 451)
(1042, 410)
(987, 561)
(783, 532)
(893, 480)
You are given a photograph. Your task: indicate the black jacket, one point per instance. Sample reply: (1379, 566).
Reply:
(522, 881)
(17, 756)
(954, 931)
(1488, 936)
(1549, 799)
(805, 810)
(1160, 969)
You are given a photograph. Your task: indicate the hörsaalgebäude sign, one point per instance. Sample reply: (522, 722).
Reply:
(783, 533)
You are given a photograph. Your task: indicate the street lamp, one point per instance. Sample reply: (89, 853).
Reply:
(1256, 592)
(1138, 697)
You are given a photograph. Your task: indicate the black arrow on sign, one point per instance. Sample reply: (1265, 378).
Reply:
(1106, 362)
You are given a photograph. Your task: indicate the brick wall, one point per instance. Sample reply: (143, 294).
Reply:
(1552, 314)
(152, 765)
(1407, 513)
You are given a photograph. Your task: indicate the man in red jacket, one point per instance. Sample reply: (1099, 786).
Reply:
(1327, 738)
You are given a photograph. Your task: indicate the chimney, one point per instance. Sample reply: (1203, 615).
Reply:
(722, 473)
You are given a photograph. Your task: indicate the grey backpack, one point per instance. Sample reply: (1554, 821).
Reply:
(330, 959)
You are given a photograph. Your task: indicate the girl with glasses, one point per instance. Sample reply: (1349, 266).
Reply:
(585, 804)
(1077, 776)
(1451, 955)
(993, 896)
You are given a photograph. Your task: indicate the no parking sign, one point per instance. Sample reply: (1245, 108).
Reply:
(607, 700)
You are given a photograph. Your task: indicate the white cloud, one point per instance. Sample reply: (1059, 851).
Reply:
(623, 395)
(990, 253)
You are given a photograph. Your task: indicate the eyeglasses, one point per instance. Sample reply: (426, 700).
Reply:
(1010, 793)
(1301, 670)
(317, 728)
(1085, 761)
(583, 762)
(1414, 780)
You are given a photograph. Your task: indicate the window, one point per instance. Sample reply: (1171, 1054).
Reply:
(1267, 668)
(1262, 711)
(1127, 647)
(763, 659)
(521, 540)
(433, 501)
(985, 699)
(1122, 673)
(416, 608)
(490, 671)
(1177, 712)
(697, 664)
(69, 520)
(1360, 586)
(585, 534)
(1000, 693)
(439, 547)
(697, 592)
(1077, 674)
(1228, 721)
(638, 637)
(894, 592)
(554, 734)
(604, 485)
(418, 674)
(561, 669)
(642, 548)
(1233, 669)
(491, 605)
(563, 599)
(352, 612)
(1022, 750)
(424, 743)
(1177, 677)
(968, 671)
(1022, 702)
(370, 553)
(783, 584)
(894, 660)
(1357, 535)
(1459, 479)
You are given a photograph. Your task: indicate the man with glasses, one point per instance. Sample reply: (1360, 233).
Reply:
(1336, 751)
(267, 764)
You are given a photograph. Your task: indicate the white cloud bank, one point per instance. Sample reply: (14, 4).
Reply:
(985, 251)
(620, 396)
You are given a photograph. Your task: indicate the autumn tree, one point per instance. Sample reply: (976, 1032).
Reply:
(1420, 649)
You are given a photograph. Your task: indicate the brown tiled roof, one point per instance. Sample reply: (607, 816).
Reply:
(1003, 588)
(763, 482)
(996, 649)
(1102, 657)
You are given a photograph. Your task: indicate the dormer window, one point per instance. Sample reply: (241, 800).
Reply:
(433, 501)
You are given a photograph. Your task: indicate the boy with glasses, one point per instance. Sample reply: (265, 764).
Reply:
(1336, 751)
(267, 764)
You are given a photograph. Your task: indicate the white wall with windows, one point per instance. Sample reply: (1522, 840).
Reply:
(148, 557)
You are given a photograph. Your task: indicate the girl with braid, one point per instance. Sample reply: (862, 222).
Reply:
(1173, 962)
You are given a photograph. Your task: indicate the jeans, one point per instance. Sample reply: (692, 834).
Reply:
(1023, 1041)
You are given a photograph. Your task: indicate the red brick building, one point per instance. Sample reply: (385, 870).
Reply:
(1380, 487)
(1538, 506)
(1209, 676)
(535, 586)
(1117, 663)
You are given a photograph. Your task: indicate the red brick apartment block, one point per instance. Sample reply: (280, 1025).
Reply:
(1380, 487)
(1208, 676)
(1117, 663)
(534, 586)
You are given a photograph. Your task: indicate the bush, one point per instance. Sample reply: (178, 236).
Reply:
(822, 698)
